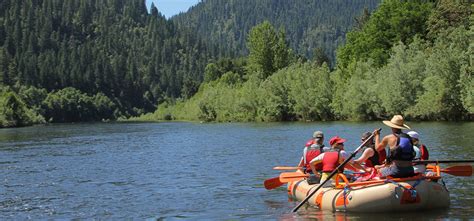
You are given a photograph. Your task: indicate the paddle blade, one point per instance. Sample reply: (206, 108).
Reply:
(292, 176)
(461, 170)
(272, 183)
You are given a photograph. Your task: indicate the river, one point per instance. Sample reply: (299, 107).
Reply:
(173, 170)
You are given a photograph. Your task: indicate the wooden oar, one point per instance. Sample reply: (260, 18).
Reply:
(335, 171)
(286, 168)
(442, 161)
(292, 176)
(459, 170)
(272, 183)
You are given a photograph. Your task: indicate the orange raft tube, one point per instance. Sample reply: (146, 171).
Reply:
(405, 194)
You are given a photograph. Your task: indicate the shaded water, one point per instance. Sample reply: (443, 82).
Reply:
(187, 170)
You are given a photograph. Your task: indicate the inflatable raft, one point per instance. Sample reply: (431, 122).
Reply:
(389, 195)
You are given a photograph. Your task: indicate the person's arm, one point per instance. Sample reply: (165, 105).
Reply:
(365, 155)
(301, 164)
(376, 138)
(317, 160)
(351, 165)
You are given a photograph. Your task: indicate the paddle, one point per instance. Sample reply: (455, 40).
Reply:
(335, 171)
(286, 168)
(442, 161)
(459, 170)
(297, 168)
(292, 176)
(272, 183)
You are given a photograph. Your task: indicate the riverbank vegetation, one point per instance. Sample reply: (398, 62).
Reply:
(93, 60)
(408, 57)
(69, 61)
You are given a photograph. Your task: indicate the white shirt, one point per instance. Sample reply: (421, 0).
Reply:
(417, 151)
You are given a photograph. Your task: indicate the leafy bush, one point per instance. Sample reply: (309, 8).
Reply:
(71, 105)
(14, 112)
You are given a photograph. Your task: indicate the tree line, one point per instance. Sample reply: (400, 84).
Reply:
(66, 61)
(406, 57)
(110, 54)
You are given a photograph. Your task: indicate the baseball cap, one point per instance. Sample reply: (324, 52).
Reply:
(336, 139)
(366, 135)
(318, 134)
(414, 134)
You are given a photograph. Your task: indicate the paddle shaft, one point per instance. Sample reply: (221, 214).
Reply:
(335, 171)
(442, 161)
(292, 176)
(286, 168)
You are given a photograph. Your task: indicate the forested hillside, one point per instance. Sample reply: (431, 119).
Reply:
(71, 60)
(308, 24)
(408, 57)
(235, 60)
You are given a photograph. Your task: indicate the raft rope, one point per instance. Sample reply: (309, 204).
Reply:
(347, 188)
(412, 190)
(444, 184)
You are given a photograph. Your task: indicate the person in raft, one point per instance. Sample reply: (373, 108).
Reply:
(370, 156)
(421, 152)
(330, 160)
(312, 149)
(399, 163)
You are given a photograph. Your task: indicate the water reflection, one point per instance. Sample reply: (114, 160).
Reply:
(311, 213)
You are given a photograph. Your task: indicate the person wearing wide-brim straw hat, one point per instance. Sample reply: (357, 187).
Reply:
(400, 146)
(396, 122)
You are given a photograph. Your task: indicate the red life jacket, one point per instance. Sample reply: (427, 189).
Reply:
(330, 161)
(377, 159)
(382, 156)
(424, 154)
(310, 154)
(309, 143)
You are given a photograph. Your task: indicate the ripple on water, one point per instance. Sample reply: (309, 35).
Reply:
(43, 204)
(120, 183)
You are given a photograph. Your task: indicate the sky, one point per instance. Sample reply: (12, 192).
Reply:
(172, 7)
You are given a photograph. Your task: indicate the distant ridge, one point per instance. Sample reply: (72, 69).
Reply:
(309, 24)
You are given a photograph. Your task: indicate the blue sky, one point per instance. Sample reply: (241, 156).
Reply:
(172, 7)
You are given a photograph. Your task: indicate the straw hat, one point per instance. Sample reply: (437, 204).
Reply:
(396, 122)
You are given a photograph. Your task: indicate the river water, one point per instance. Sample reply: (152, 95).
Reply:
(188, 170)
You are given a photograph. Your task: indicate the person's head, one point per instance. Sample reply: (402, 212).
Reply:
(318, 137)
(396, 123)
(337, 142)
(365, 136)
(415, 137)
